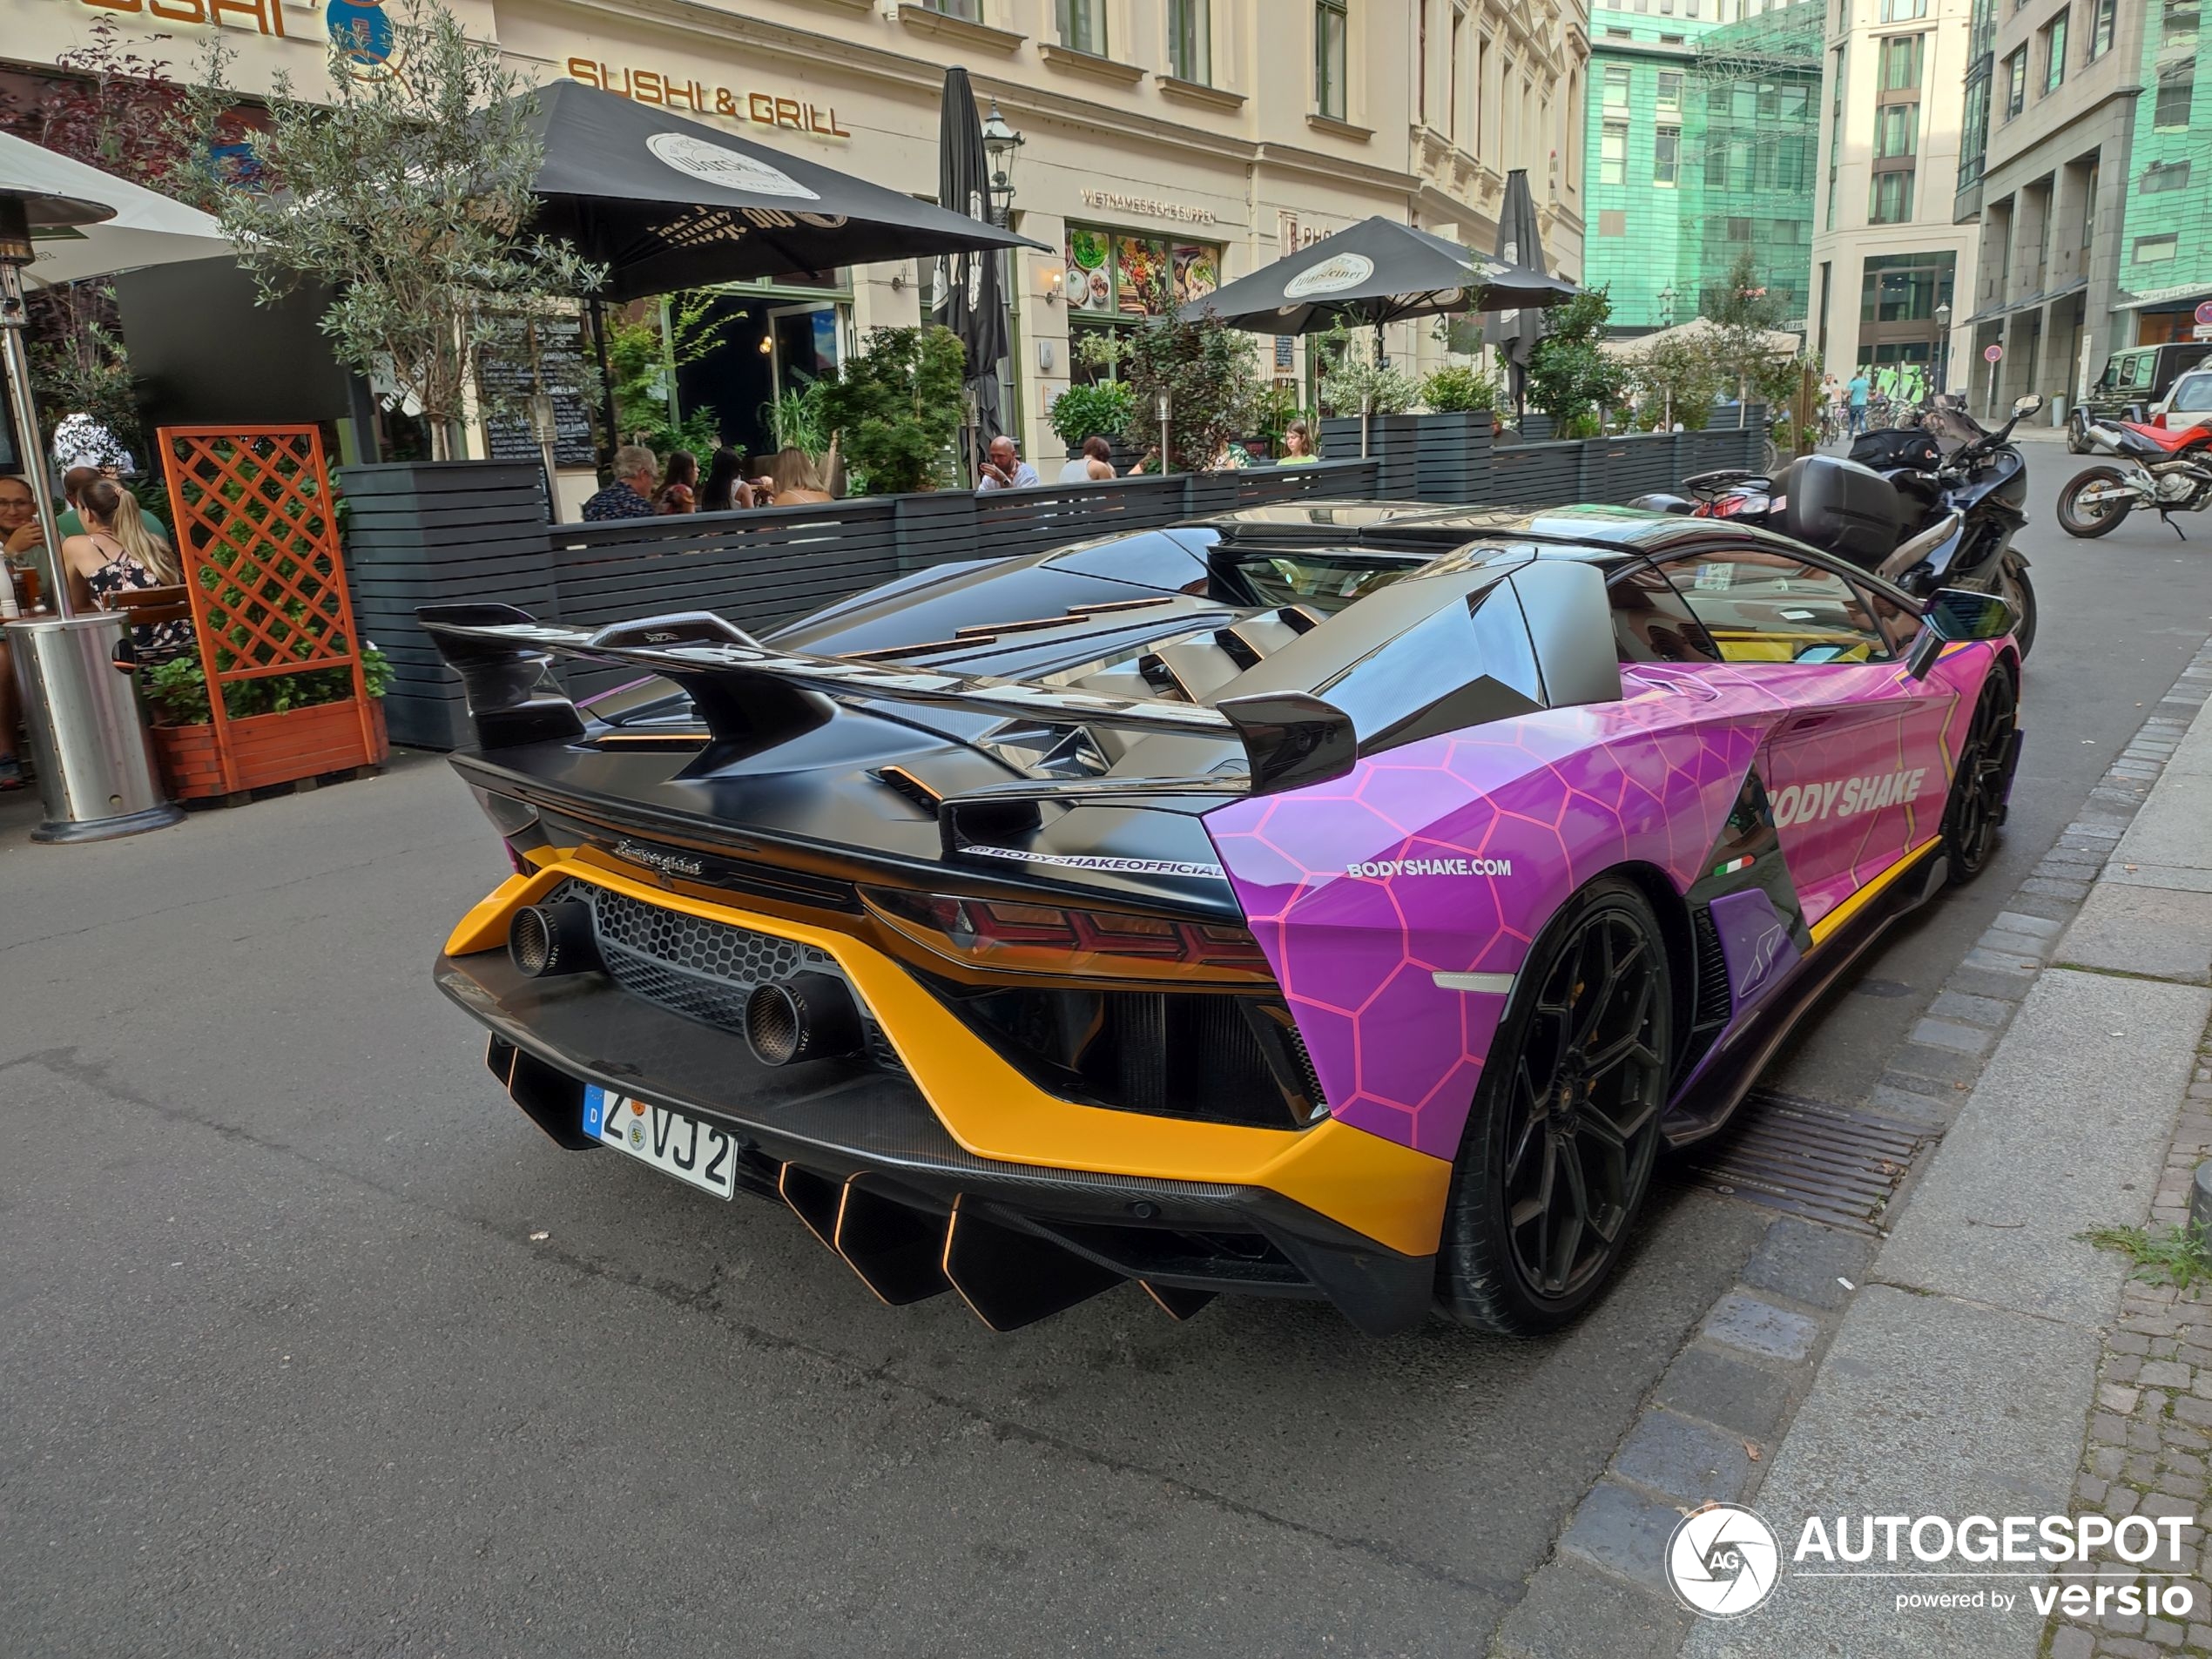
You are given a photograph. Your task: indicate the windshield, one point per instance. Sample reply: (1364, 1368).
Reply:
(2193, 393)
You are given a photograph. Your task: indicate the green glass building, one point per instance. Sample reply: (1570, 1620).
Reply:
(2166, 249)
(1702, 143)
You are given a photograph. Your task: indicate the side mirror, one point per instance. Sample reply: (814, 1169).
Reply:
(1956, 615)
(2024, 407)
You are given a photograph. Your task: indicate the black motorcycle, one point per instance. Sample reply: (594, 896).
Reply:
(1900, 507)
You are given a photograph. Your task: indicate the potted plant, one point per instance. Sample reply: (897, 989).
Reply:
(1101, 409)
(1452, 441)
(282, 728)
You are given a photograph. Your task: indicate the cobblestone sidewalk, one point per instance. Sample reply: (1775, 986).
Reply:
(2151, 1435)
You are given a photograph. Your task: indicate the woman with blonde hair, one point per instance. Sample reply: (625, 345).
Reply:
(800, 481)
(121, 550)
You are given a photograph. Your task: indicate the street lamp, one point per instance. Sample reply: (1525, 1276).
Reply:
(999, 142)
(1942, 344)
(1667, 297)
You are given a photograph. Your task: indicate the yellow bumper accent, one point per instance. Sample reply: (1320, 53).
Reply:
(1391, 1193)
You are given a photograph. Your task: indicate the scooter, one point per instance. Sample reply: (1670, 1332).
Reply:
(2164, 471)
(1940, 521)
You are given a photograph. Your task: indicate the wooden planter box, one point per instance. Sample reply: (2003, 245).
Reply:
(271, 748)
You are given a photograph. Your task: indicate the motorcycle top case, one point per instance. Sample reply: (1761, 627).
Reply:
(1842, 507)
(1893, 446)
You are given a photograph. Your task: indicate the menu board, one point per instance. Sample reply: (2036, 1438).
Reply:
(530, 356)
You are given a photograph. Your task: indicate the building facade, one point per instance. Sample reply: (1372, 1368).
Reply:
(2166, 251)
(1702, 134)
(2050, 124)
(1202, 138)
(1890, 266)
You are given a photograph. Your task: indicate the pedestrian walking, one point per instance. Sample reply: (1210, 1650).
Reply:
(636, 479)
(678, 491)
(1857, 392)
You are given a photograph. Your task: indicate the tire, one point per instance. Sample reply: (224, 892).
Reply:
(1565, 1145)
(2099, 521)
(1974, 811)
(2012, 584)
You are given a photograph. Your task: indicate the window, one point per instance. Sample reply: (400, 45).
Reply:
(1452, 90)
(1905, 287)
(1652, 624)
(2162, 175)
(1082, 25)
(1673, 40)
(2176, 89)
(1613, 153)
(2016, 83)
(2089, 207)
(1891, 200)
(1612, 221)
(1670, 88)
(2179, 28)
(1421, 71)
(2101, 14)
(968, 10)
(1616, 87)
(1190, 41)
(1666, 157)
(2054, 53)
(1900, 62)
(1757, 606)
(2157, 250)
(1612, 33)
(1329, 30)
(1116, 279)
(1896, 129)
(1904, 10)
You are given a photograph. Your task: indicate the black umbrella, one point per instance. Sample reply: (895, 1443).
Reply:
(971, 300)
(666, 203)
(1377, 272)
(1516, 332)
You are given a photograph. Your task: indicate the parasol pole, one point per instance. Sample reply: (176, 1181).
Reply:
(13, 318)
(606, 381)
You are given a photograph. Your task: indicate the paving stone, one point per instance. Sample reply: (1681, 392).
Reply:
(1684, 1459)
(1573, 1611)
(1970, 1010)
(2073, 1642)
(1981, 981)
(2055, 888)
(2115, 1396)
(1957, 1038)
(1715, 1383)
(2013, 921)
(1623, 1531)
(1745, 1322)
(2106, 1461)
(2164, 1374)
(1943, 1065)
(2001, 961)
(1930, 1110)
(1805, 1262)
(2010, 944)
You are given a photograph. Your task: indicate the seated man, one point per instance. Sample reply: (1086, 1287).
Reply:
(631, 495)
(1006, 469)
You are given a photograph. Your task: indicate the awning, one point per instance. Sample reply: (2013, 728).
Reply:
(2184, 294)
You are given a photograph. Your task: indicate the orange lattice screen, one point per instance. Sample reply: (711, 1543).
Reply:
(261, 556)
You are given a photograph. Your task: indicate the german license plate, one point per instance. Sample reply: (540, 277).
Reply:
(672, 1141)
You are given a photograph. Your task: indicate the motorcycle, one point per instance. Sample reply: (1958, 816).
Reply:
(2166, 471)
(1924, 521)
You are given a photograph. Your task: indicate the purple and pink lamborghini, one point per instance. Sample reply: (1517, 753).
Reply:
(1350, 901)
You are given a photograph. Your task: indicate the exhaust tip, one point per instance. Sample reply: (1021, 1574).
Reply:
(810, 1017)
(544, 939)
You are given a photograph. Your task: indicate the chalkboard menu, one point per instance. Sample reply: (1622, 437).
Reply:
(533, 355)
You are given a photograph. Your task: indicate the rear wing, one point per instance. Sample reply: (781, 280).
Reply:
(753, 696)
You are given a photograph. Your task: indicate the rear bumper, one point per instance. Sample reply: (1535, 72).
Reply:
(860, 1157)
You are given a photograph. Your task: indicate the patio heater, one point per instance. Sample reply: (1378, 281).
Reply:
(96, 772)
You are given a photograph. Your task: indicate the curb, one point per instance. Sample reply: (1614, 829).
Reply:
(1708, 1429)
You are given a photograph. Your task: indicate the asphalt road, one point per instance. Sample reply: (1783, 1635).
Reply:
(289, 1372)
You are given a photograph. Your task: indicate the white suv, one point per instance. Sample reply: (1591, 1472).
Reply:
(2187, 402)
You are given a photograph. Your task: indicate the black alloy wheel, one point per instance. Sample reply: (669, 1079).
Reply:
(1976, 807)
(2092, 519)
(1558, 1150)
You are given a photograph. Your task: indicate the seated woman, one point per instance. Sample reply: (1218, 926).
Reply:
(121, 551)
(800, 481)
(1298, 446)
(679, 485)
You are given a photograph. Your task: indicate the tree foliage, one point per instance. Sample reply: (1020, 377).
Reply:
(1459, 389)
(895, 408)
(1354, 379)
(408, 197)
(1208, 371)
(641, 356)
(1569, 379)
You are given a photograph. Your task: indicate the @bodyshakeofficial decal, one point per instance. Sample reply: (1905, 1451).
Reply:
(1723, 1561)
(733, 170)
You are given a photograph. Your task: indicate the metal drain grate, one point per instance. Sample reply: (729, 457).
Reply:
(1824, 1163)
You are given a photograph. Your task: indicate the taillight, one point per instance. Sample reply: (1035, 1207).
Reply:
(1077, 943)
(1729, 506)
(2159, 419)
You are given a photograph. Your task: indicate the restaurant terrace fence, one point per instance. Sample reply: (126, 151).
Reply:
(458, 532)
